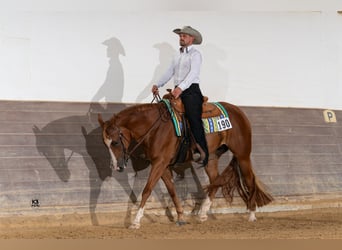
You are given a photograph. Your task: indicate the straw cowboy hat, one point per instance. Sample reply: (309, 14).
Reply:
(190, 31)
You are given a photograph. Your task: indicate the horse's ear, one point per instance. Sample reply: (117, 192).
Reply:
(36, 130)
(100, 120)
(84, 131)
(169, 95)
(113, 117)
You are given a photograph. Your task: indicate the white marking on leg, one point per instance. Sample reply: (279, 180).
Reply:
(136, 222)
(204, 209)
(252, 216)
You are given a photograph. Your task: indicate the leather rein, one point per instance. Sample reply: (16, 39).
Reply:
(128, 154)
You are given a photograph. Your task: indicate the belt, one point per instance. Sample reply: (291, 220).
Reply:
(189, 86)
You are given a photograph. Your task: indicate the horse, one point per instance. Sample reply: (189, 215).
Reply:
(149, 125)
(79, 135)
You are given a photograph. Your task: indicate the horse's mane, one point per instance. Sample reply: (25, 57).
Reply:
(136, 111)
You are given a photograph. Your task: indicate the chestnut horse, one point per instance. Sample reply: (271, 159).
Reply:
(150, 126)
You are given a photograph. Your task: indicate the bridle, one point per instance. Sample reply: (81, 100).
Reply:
(128, 153)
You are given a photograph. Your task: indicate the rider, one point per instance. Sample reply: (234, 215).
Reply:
(185, 70)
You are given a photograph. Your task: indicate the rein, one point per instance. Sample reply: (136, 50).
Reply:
(156, 97)
(127, 154)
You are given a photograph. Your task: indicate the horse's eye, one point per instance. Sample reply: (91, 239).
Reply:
(114, 143)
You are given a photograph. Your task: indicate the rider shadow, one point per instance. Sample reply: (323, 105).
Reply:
(113, 85)
(166, 53)
(212, 69)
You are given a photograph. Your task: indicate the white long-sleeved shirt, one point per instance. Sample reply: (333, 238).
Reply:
(185, 69)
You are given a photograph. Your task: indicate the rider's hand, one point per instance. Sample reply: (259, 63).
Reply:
(176, 92)
(155, 90)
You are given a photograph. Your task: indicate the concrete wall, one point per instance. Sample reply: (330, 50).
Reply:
(53, 152)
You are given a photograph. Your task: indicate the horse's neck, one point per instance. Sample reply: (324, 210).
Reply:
(140, 119)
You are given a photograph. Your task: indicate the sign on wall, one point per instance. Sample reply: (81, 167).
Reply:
(329, 116)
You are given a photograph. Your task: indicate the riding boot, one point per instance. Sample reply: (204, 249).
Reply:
(201, 155)
(203, 163)
(192, 99)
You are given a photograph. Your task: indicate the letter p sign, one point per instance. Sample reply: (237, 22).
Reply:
(329, 116)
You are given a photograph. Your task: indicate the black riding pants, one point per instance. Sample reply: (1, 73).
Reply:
(192, 99)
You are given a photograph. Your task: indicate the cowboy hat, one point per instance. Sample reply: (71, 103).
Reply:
(115, 45)
(190, 31)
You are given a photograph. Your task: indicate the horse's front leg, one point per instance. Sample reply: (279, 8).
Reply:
(212, 172)
(155, 174)
(167, 178)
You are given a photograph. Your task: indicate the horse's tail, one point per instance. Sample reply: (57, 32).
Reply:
(231, 180)
(262, 197)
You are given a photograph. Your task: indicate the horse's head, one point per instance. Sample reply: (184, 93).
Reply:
(117, 141)
(54, 154)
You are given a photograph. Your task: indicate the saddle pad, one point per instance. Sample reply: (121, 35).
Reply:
(210, 124)
(217, 123)
(176, 122)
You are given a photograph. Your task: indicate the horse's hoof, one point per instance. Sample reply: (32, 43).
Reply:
(181, 223)
(203, 218)
(252, 218)
(134, 226)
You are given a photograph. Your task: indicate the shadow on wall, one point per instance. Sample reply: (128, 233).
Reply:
(166, 54)
(113, 86)
(78, 135)
(82, 135)
(214, 77)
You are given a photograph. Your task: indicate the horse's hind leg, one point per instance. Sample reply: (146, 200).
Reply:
(212, 172)
(257, 195)
(249, 181)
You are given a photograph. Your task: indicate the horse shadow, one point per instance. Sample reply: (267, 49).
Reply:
(63, 139)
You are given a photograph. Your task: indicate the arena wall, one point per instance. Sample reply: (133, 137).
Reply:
(53, 160)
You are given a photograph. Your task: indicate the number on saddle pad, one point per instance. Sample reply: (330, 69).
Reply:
(223, 124)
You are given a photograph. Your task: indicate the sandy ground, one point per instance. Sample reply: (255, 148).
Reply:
(320, 223)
